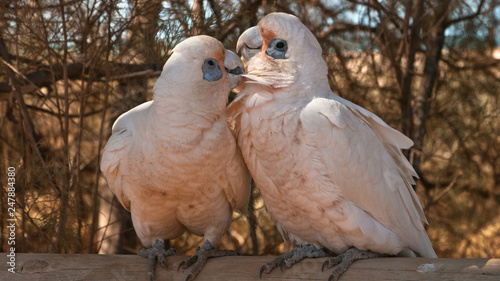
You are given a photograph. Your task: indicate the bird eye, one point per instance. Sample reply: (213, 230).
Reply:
(210, 63)
(211, 70)
(277, 48)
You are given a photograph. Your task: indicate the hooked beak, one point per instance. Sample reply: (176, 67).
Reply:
(234, 68)
(250, 43)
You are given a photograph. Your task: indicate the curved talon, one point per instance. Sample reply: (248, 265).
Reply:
(190, 261)
(342, 262)
(264, 267)
(180, 265)
(292, 257)
(332, 262)
(156, 254)
(201, 256)
(324, 265)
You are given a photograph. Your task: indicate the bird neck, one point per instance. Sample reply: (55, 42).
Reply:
(176, 112)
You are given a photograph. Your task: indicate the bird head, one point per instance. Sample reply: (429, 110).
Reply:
(289, 54)
(195, 71)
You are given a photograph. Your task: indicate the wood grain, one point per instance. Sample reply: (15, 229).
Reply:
(34, 267)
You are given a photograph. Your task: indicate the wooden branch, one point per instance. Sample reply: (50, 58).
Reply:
(441, 194)
(242, 268)
(340, 27)
(45, 78)
(468, 17)
(35, 108)
(377, 6)
(28, 123)
(471, 64)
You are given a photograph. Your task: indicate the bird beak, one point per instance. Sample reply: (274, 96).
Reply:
(233, 63)
(234, 68)
(250, 43)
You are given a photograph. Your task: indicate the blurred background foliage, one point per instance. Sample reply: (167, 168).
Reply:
(69, 68)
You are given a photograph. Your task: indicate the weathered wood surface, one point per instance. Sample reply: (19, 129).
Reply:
(34, 267)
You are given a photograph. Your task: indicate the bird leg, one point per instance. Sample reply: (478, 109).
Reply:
(206, 251)
(294, 256)
(155, 254)
(343, 261)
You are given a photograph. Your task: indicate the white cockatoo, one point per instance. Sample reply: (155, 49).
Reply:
(330, 172)
(173, 162)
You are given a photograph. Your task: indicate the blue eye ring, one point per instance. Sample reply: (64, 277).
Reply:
(211, 70)
(277, 48)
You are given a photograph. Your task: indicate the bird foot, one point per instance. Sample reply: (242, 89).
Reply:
(155, 254)
(200, 257)
(343, 261)
(294, 256)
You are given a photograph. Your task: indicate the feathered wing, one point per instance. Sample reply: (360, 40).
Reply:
(393, 139)
(237, 182)
(117, 150)
(114, 152)
(360, 153)
(393, 142)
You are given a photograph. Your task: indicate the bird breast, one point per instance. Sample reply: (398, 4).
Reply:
(268, 135)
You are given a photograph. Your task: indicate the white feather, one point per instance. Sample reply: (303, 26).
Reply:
(330, 172)
(173, 162)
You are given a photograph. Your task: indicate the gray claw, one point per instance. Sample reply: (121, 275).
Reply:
(199, 259)
(324, 265)
(343, 261)
(182, 265)
(155, 254)
(294, 256)
(264, 267)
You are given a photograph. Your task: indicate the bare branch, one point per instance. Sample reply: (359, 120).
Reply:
(468, 17)
(46, 78)
(444, 191)
(19, 96)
